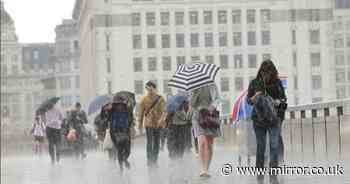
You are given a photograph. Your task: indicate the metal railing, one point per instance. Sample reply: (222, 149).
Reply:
(315, 130)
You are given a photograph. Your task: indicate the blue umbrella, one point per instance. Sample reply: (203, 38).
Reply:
(98, 103)
(174, 102)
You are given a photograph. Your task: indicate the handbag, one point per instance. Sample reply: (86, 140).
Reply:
(107, 142)
(72, 135)
(209, 119)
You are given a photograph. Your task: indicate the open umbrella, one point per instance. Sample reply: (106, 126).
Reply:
(174, 102)
(127, 95)
(189, 77)
(46, 104)
(98, 103)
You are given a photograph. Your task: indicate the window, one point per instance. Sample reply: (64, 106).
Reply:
(237, 38)
(194, 40)
(208, 39)
(292, 15)
(151, 41)
(340, 76)
(166, 63)
(316, 99)
(76, 45)
(225, 84)
(164, 18)
(266, 56)
(342, 4)
(251, 16)
(339, 41)
(315, 15)
(316, 82)
(138, 87)
(152, 64)
(296, 86)
(341, 92)
(222, 17)
(236, 16)
(36, 55)
(252, 61)
(265, 38)
(222, 39)
(108, 20)
(239, 83)
(224, 61)
(295, 59)
(265, 16)
(137, 44)
(209, 59)
(315, 59)
(77, 82)
(136, 19)
(165, 41)
(193, 17)
(348, 40)
(107, 42)
(238, 61)
(179, 18)
(138, 64)
(251, 38)
(195, 58)
(208, 17)
(180, 60)
(150, 19)
(108, 65)
(180, 40)
(167, 89)
(339, 59)
(315, 36)
(15, 69)
(294, 37)
(65, 83)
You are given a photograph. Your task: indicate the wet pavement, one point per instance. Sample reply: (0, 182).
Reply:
(96, 169)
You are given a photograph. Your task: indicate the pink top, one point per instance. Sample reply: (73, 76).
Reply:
(54, 118)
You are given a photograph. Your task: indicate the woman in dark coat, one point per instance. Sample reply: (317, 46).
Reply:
(267, 81)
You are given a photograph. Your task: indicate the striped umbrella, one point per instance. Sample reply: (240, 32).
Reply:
(189, 77)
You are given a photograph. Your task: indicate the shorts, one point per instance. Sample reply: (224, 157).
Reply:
(39, 138)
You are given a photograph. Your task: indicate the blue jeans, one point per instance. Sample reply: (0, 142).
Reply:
(274, 137)
(153, 145)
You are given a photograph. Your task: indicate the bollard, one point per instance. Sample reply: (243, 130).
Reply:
(314, 115)
(326, 114)
(339, 114)
(302, 116)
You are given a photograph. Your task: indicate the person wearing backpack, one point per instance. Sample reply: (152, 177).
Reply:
(121, 121)
(38, 131)
(266, 94)
(152, 107)
(178, 129)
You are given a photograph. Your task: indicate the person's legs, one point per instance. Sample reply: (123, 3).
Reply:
(260, 133)
(210, 141)
(274, 135)
(50, 139)
(149, 148)
(156, 144)
(202, 142)
(181, 140)
(58, 144)
(171, 142)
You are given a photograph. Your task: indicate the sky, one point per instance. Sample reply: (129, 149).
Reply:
(35, 20)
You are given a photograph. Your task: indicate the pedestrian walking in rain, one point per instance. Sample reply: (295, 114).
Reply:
(54, 120)
(102, 126)
(151, 109)
(76, 121)
(267, 95)
(178, 130)
(121, 122)
(38, 131)
(204, 102)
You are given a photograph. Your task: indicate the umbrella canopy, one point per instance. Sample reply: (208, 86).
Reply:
(241, 109)
(98, 103)
(46, 104)
(127, 95)
(174, 102)
(189, 77)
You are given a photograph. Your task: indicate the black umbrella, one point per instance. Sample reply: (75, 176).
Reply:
(127, 95)
(46, 104)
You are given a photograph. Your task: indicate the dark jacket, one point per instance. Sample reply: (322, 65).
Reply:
(275, 90)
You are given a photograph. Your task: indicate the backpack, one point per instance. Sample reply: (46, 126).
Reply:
(265, 110)
(119, 116)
